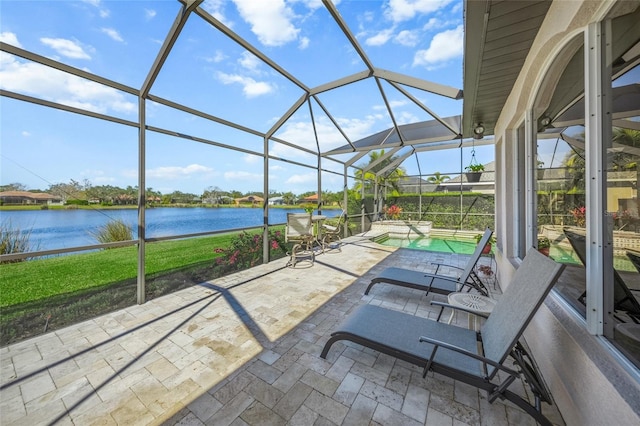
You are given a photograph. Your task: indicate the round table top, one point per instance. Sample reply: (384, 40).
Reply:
(474, 302)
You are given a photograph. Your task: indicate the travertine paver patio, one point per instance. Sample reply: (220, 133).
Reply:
(245, 350)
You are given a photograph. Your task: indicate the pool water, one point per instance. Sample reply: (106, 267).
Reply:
(466, 246)
(449, 245)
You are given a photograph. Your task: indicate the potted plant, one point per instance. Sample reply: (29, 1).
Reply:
(487, 248)
(473, 172)
(486, 270)
(543, 245)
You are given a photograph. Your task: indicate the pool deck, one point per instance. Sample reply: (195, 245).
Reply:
(245, 350)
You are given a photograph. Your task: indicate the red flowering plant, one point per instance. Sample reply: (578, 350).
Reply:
(393, 212)
(245, 251)
(580, 216)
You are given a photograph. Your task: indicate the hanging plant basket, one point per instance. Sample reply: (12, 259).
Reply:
(473, 176)
(474, 169)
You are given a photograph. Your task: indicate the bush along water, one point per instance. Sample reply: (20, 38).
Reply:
(14, 240)
(113, 231)
(245, 251)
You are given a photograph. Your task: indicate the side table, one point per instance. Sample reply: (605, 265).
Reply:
(474, 302)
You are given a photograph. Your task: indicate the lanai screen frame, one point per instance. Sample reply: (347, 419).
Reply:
(447, 128)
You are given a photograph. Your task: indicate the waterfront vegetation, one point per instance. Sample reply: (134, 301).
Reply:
(13, 240)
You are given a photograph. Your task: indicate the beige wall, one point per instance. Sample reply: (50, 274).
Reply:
(591, 383)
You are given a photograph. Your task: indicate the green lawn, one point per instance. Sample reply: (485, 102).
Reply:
(42, 278)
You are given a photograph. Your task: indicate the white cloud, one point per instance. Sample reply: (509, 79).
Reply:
(405, 117)
(47, 83)
(270, 20)
(251, 159)
(301, 134)
(310, 177)
(10, 38)
(407, 38)
(176, 172)
(303, 43)
(25, 133)
(64, 47)
(380, 38)
(243, 176)
(112, 33)
(217, 57)
(249, 61)
(97, 177)
(149, 14)
(444, 46)
(250, 87)
(104, 13)
(403, 10)
(216, 9)
(392, 104)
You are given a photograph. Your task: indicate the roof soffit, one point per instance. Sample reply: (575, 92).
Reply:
(498, 36)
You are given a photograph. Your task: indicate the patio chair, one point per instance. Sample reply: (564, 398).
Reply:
(634, 257)
(435, 282)
(623, 299)
(471, 357)
(299, 231)
(333, 234)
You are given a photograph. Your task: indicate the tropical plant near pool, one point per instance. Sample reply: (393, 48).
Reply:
(245, 251)
(393, 212)
(580, 216)
(390, 179)
(438, 178)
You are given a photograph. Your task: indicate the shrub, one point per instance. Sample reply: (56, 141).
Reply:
(14, 240)
(112, 231)
(245, 251)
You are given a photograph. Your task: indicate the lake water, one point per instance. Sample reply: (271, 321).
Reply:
(55, 229)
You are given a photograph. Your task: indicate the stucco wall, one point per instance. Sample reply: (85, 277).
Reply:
(590, 382)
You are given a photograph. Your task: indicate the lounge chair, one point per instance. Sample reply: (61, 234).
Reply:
(455, 351)
(434, 282)
(299, 231)
(623, 299)
(634, 257)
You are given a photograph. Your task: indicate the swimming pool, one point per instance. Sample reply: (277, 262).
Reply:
(445, 245)
(558, 253)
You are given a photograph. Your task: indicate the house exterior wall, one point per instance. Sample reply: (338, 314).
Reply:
(591, 383)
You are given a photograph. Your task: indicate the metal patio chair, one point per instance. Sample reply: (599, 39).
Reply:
(299, 231)
(332, 234)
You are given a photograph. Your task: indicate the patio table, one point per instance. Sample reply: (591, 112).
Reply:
(474, 302)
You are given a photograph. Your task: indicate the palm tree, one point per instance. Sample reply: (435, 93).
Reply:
(392, 178)
(437, 178)
(574, 162)
(625, 160)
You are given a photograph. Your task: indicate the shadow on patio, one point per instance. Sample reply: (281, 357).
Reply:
(245, 349)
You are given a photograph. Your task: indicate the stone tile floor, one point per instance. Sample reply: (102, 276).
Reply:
(244, 350)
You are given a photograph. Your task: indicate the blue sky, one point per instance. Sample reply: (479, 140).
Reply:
(206, 70)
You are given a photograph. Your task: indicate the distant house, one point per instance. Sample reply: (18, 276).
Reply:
(276, 201)
(25, 197)
(311, 199)
(252, 199)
